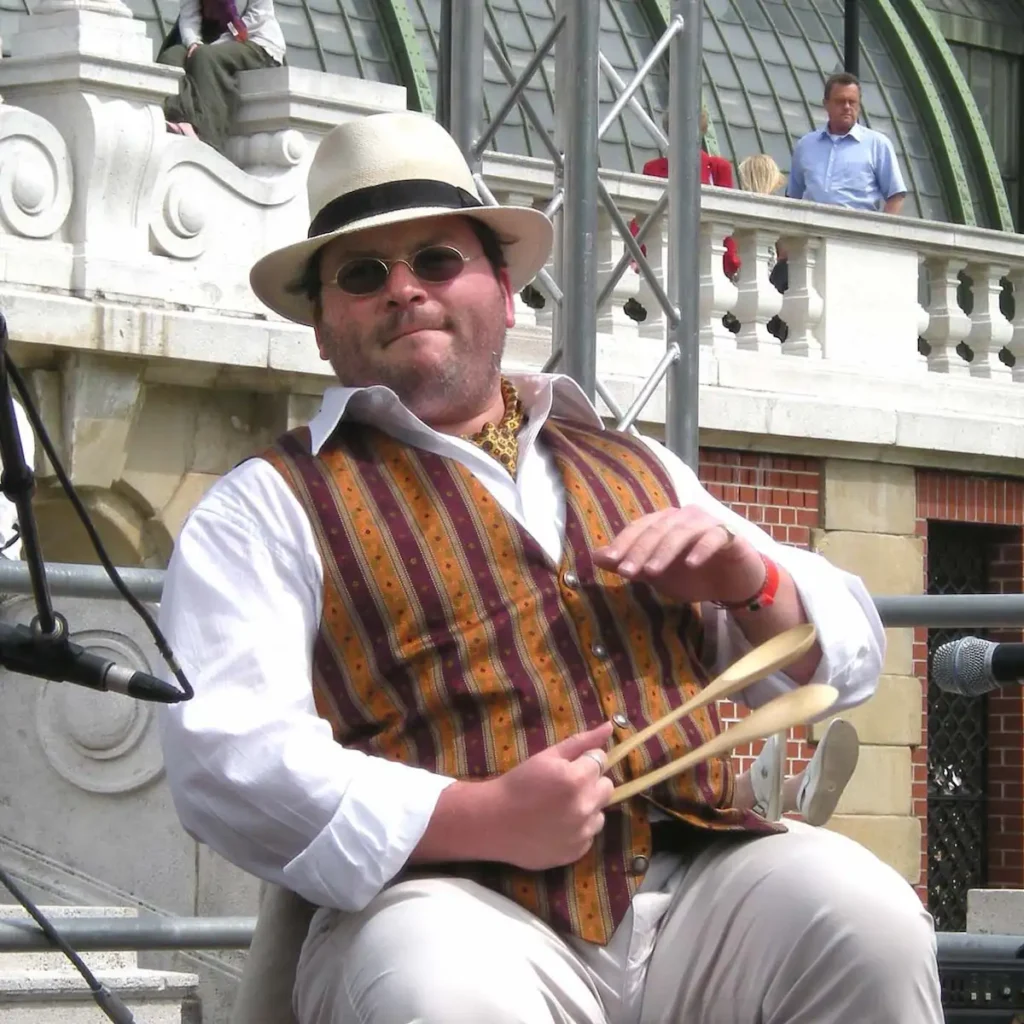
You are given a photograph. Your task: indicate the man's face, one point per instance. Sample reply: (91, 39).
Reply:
(843, 106)
(438, 346)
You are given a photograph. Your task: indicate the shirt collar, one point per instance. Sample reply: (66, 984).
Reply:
(542, 394)
(856, 132)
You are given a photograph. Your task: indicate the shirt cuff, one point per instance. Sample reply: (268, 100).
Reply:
(359, 851)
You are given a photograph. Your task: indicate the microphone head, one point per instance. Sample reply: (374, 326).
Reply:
(964, 666)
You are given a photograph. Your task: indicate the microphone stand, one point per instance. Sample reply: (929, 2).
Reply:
(17, 483)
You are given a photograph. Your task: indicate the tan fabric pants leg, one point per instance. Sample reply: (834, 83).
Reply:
(440, 951)
(802, 928)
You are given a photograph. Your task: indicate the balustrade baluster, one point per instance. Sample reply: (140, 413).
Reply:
(948, 324)
(802, 303)
(758, 300)
(990, 330)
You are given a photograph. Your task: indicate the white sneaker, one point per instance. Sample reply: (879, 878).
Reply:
(766, 778)
(830, 769)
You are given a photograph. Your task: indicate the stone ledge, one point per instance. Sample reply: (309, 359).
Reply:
(995, 911)
(279, 98)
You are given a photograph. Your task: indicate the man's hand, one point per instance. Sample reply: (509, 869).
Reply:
(687, 555)
(544, 813)
(551, 805)
(192, 49)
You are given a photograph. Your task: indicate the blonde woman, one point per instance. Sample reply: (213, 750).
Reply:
(761, 174)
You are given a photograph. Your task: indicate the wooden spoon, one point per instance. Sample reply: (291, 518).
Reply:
(769, 657)
(794, 708)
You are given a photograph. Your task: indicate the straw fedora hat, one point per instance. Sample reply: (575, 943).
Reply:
(384, 169)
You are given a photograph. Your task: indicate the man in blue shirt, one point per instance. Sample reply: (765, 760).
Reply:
(844, 163)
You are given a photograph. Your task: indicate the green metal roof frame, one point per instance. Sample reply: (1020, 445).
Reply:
(949, 164)
(933, 47)
(932, 72)
(658, 13)
(411, 69)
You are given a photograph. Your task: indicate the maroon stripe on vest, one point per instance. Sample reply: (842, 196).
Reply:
(493, 595)
(415, 555)
(312, 477)
(375, 628)
(643, 595)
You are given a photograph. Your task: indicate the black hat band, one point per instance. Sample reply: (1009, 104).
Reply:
(388, 197)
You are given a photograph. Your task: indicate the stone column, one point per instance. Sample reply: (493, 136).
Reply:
(870, 512)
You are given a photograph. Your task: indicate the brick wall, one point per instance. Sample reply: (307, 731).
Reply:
(997, 502)
(783, 496)
(1006, 734)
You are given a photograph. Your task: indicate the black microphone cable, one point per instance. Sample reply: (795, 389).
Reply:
(106, 1000)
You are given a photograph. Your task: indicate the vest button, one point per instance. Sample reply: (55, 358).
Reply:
(620, 720)
(598, 650)
(571, 580)
(640, 865)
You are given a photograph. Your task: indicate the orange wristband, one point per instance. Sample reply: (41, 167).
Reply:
(765, 596)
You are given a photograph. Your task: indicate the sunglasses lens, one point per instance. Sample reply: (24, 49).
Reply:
(438, 263)
(362, 277)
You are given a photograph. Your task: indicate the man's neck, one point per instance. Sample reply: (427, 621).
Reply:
(493, 413)
(839, 131)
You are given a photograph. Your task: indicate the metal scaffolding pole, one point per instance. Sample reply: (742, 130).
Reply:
(576, 102)
(851, 37)
(683, 376)
(461, 73)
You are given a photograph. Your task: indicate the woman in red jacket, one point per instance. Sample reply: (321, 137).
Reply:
(714, 170)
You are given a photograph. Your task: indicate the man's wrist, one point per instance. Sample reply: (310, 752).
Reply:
(465, 825)
(758, 594)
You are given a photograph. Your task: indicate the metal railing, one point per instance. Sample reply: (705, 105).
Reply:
(195, 933)
(982, 611)
(106, 934)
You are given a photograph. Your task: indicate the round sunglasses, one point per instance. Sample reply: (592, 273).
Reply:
(434, 264)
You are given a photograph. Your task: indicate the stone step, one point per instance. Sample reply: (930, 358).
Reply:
(36, 997)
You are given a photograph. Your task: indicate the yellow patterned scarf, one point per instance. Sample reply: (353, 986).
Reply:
(502, 441)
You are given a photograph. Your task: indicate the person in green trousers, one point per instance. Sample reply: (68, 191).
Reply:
(212, 41)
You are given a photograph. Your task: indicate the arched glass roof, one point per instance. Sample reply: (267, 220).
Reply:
(765, 65)
(519, 26)
(765, 62)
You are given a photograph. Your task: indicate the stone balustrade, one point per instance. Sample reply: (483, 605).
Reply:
(120, 239)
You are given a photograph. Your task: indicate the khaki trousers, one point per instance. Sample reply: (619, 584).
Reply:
(802, 928)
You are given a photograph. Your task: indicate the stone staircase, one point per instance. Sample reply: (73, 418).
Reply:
(45, 988)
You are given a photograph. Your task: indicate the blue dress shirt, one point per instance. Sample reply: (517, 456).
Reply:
(857, 170)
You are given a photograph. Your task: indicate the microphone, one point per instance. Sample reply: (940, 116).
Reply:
(56, 658)
(972, 666)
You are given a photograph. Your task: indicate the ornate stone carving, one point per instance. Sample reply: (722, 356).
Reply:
(196, 189)
(102, 743)
(99, 742)
(35, 175)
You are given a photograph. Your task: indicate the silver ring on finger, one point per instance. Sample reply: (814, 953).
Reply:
(596, 758)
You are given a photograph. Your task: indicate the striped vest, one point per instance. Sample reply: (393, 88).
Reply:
(449, 641)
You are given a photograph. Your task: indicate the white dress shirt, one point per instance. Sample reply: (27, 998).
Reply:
(255, 772)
